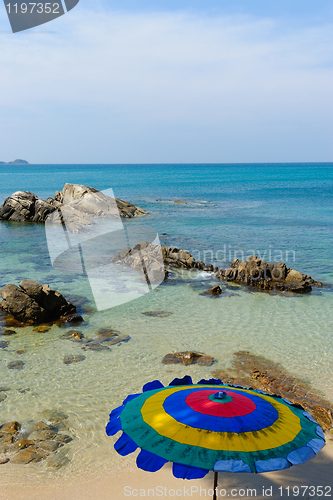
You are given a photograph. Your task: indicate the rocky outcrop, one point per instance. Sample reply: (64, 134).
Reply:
(254, 272)
(258, 273)
(176, 258)
(32, 442)
(144, 257)
(91, 201)
(258, 372)
(25, 206)
(74, 201)
(32, 302)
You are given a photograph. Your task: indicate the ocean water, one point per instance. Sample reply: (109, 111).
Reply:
(278, 211)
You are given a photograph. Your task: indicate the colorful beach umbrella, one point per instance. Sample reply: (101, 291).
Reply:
(210, 426)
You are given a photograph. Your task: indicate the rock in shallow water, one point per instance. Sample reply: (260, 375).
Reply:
(69, 359)
(8, 332)
(26, 456)
(188, 358)
(34, 303)
(214, 292)
(10, 427)
(50, 446)
(16, 365)
(93, 345)
(157, 314)
(57, 461)
(22, 443)
(250, 370)
(74, 319)
(41, 329)
(73, 335)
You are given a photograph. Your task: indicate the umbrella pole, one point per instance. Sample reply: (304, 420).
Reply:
(215, 484)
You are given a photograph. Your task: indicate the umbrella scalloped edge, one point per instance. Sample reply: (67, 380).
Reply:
(151, 462)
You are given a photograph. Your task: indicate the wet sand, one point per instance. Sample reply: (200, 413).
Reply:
(130, 482)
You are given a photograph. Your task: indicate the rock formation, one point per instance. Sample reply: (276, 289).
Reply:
(264, 275)
(32, 302)
(37, 441)
(253, 272)
(250, 370)
(73, 201)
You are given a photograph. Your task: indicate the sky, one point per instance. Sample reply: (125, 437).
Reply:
(172, 81)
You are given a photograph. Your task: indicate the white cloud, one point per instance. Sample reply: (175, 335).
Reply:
(231, 80)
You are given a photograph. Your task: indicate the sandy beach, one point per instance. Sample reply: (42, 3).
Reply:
(130, 482)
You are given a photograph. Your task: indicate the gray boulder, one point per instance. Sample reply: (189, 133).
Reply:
(76, 203)
(32, 302)
(25, 206)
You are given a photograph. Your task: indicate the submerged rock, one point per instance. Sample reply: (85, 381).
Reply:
(116, 339)
(26, 456)
(188, 358)
(54, 416)
(8, 332)
(34, 303)
(73, 335)
(249, 370)
(22, 443)
(41, 329)
(74, 319)
(3, 344)
(10, 427)
(16, 365)
(69, 359)
(50, 446)
(34, 441)
(93, 345)
(57, 461)
(157, 314)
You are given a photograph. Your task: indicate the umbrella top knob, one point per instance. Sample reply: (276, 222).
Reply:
(220, 395)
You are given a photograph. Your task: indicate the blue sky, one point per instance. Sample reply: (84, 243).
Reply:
(143, 81)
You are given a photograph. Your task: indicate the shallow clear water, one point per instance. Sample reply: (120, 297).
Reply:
(243, 208)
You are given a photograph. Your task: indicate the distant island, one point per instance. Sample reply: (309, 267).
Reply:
(15, 162)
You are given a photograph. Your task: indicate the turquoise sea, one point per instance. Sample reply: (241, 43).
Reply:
(278, 211)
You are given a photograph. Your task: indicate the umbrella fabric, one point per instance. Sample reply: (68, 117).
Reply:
(192, 426)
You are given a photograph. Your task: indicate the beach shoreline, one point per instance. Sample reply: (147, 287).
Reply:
(120, 483)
